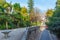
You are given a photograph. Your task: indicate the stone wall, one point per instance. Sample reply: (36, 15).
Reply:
(32, 33)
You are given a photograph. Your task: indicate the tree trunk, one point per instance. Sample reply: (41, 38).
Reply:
(18, 24)
(31, 23)
(6, 25)
(36, 22)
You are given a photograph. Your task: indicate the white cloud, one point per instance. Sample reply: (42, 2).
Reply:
(22, 5)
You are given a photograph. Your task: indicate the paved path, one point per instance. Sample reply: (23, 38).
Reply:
(15, 34)
(45, 35)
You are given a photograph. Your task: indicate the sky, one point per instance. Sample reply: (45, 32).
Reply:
(41, 4)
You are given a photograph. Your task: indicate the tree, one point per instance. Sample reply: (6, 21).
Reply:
(5, 19)
(35, 16)
(25, 16)
(17, 13)
(24, 11)
(54, 21)
(2, 2)
(8, 8)
(5, 16)
(30, 5)
(1, 9)
(16, 7)
(49, 13)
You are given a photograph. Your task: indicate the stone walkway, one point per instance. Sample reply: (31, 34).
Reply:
(46, 35)
(15, 34)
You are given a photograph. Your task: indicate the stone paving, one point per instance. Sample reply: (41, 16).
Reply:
(15, 34)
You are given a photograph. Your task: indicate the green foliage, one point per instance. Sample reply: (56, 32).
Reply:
(1, 9)
(49, 13)
(16, 7)
(2, 2)
(2, 27)
(30, 5)
(54, 22)
(18, 18)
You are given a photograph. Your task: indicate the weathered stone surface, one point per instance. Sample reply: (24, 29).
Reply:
(32, 33)
(15, 34)
(36, 34)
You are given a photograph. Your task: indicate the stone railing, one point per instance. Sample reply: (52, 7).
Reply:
(32, 32)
